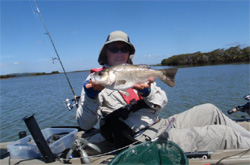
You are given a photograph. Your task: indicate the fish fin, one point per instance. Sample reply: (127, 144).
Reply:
(168, 76)
(120, 82)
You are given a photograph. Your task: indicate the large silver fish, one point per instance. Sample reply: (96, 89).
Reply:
(124, 76)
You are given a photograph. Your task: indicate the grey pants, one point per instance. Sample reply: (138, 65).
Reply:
(206, 128)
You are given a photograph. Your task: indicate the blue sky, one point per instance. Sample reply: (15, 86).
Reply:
(158, 30)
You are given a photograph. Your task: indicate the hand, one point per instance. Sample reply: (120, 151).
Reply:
(91, 89)
(94, 86)
(141, 86)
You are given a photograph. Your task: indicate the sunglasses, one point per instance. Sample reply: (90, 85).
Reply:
(116, 50)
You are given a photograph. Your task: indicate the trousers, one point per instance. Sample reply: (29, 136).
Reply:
(206, 128)
(201, 128)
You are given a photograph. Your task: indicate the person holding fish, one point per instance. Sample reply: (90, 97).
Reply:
(126, 100)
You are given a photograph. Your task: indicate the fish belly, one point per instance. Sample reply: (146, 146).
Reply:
(127, 79)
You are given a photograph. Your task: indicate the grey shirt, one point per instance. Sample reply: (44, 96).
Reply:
(90, 110)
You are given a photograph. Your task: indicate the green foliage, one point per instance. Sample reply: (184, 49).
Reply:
(218, 56)
(54, 72)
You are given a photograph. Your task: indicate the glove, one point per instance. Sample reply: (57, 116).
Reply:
(91, 92)
(144, 92)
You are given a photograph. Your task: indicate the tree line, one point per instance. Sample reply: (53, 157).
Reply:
(15, 75)
(218, 56)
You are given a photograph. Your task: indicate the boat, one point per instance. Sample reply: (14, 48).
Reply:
(84, 152)
(78, 150)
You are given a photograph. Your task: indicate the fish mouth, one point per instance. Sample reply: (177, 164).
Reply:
(92, 77)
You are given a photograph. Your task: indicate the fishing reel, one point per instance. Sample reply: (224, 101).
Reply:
(70, 104)
(243, 108)
(79, 145)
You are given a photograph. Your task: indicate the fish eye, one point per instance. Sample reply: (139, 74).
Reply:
(100, 73)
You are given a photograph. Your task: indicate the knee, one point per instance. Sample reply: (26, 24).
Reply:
(222, 130)
(229, 138)
(209, 107)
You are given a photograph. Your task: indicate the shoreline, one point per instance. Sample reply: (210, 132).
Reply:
(20, 75)
(38, 74)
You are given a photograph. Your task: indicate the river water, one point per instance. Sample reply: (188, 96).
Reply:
(222, 85)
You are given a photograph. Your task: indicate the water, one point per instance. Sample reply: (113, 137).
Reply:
(222, 85)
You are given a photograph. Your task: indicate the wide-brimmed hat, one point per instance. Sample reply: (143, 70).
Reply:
(114, 37)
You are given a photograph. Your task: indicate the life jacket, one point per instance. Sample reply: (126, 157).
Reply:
(132, 96)
(96, 69)
(127, 98)
(115, 130)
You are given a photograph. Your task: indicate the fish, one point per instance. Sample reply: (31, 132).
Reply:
(124, 76)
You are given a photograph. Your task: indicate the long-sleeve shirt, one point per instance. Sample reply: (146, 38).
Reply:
(91, 110)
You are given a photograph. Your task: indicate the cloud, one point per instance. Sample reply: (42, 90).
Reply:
(16, 63)
(147, 56)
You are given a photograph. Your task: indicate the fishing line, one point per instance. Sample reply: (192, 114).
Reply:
(33, 7)
(39, 23)
(58, 57)
(47, 40)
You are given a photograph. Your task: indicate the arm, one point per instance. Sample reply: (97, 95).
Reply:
(87, 113)
(157, 98)
(153, 95)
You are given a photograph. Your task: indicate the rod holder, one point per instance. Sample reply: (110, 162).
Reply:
(38, 137)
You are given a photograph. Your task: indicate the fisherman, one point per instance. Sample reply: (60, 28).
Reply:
(126, 119)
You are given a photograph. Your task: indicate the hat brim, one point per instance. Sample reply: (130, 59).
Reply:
(102, 55)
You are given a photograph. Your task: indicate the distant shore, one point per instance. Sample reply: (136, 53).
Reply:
(18, 75)
(218, 56)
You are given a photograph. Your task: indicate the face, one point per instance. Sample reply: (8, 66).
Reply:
(117, 53)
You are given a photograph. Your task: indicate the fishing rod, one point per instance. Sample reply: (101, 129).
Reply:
(242, 108)
(59, 59)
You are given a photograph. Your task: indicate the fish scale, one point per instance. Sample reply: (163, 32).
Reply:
(124, 76)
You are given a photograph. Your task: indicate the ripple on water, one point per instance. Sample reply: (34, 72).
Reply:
(222, 85)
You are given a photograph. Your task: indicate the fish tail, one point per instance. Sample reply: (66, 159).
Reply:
(169, 76)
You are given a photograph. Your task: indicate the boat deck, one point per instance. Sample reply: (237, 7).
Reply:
(233, 157)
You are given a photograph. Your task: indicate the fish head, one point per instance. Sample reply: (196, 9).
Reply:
(105, 77)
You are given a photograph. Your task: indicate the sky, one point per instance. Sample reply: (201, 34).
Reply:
(158, 29)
